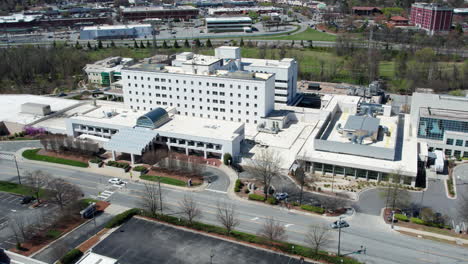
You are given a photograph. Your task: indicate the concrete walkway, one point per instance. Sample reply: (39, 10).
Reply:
(431, 234)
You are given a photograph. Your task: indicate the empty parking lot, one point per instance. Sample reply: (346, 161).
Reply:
(142, 241)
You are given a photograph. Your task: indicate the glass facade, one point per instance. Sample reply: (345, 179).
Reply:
(433, 128)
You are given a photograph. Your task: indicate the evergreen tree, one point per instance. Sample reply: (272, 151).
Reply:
(148, 44)
(107, 45)
(208, 44)
(292, 43)
(112, 44)
(241, 42)
(89, 46)
(100, 44)
(164, 45)
(176, 45)
(77, 45)
(142, 46)
(135, 44)
(186, 43)
(302, 43)
(197, 43)
(54, 44)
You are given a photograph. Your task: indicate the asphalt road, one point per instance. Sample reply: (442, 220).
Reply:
(383, 245)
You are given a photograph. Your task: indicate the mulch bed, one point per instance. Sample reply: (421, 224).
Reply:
(88, 244)
(65, 155)
(174, 175)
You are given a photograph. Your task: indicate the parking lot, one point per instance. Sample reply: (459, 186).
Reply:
(166, 244)
(11, 208)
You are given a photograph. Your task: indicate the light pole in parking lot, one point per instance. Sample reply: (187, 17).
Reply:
(17, 169)
(339, 234)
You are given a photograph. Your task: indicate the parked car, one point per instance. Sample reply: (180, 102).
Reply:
(62, 94)
(27, 199)
(281, 196)
(338, 224)
(116, 181)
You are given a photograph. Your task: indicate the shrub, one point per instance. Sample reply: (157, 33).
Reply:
(401, 217)
(140, 168)
(72, 256)
(295, 203)
(256, 197)
(122, 165)
(122, 218)
(227, 159)
(272, 200)
(95, 160)
(246, 191)
(417, 221)
(238, 185)
(315, 209)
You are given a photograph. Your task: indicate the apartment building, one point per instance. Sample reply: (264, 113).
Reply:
(200, 86)
(432, 17)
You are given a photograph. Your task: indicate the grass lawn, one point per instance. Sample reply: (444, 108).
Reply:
(308, 34)
(31, 154)
(165, 180)
(14, 188)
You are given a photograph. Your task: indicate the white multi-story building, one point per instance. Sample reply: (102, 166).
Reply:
(201, 86)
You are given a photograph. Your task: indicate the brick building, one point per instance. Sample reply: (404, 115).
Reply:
(431, 17)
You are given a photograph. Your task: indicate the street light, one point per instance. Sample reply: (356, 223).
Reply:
(393, 217)
(17, 169)
(339, 234)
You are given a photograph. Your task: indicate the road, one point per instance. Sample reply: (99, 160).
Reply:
(383, 245)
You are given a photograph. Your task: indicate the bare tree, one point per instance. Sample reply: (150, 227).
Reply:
(318, 236)
(63, 192)
(152, 199)
(273, 230)
(226, 215)
(395, 195)
(190, 208)
(333, 203)
(18, 224)
(196, 167)
(463, 208)
(36, 181)
(265, 166)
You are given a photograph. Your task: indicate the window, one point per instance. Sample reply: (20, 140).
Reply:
(221, 85)
(214, 84)
(156, 79)
(466, 143)
(163, 80)
(215, 93)
(459, 142)
(255, 97)
(457, 153)
(448, 152)
(148, 78)
(255, 88)
(221, 93)
(449, 141)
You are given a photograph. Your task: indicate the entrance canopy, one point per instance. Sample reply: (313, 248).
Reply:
(131, 140)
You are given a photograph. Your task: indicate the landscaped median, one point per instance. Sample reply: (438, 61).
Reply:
(165, 180)
(11, 187)
(278, 246)
(32, 154)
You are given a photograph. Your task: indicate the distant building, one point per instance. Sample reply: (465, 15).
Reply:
(244, 10)
(432, 17)
(398, 21)
(107, 71)
(366, 10)
(441, 122)
(229, 24)
(162, 12)
(460, 15)
(116, 32)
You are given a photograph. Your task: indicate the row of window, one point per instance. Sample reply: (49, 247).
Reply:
(208, 115)
(456, 153)
(458, 142)
(247, 96)
(212, 84)
(214, 101)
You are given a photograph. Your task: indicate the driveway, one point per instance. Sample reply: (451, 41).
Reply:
(13, 146)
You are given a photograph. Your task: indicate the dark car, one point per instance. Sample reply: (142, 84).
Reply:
(281, 196)
(338, 224)
(27, 199)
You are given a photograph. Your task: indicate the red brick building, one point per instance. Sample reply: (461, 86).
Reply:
(431, 17)
(162, 12)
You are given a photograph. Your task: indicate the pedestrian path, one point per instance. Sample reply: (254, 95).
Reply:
(430, 234)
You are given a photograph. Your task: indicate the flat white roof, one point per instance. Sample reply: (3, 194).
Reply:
(201, 127)
(228, 19)
(10, 107)
(284, 63)
(121, 116)
(113, 27)
(93, 258)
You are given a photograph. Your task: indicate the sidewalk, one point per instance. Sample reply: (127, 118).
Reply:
(430, 234)
(127, 176)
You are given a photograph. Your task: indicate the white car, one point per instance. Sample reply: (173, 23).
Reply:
(116, 181)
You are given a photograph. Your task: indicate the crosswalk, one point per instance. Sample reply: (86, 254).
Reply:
(105, 195)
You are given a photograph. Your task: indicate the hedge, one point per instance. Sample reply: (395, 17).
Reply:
(272, 200)
(256, 197)
(401, 217)
(227, 159)
(95, 160)
(139, 168)
(31, 154)
(122, 165)
(417, 221)
(72, 256)
(315, 209)
(238, 186)
(122, 218)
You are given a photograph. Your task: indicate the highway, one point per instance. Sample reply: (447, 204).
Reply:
(383, 244)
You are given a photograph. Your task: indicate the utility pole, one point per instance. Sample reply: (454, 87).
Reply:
(17, 169)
